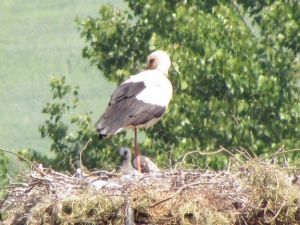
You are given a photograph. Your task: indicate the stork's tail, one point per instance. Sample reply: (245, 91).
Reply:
(111, 122)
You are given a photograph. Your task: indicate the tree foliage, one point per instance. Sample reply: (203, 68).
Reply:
(3, 170)
(232, 87)
(234, 78)
(72, 133)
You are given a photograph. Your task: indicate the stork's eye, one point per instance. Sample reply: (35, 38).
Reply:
(151, 61)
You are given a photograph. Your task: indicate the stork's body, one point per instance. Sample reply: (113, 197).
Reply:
(140, 101)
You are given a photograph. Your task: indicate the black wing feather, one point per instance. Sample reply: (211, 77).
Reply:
(125, 109)
(126, 90)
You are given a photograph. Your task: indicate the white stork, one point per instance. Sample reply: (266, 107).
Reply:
(140, 101)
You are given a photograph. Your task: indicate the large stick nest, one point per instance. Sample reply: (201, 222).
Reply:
(254, 193)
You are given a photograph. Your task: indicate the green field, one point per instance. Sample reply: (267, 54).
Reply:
(39, 39)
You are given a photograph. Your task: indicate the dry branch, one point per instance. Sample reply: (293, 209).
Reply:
(253, 193)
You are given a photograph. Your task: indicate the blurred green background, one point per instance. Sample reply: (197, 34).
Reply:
(39, 39)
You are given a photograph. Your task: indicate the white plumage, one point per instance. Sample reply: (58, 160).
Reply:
(158, 90)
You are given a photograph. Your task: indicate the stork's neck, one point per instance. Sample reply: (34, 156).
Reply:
(126, 161)
(162, 69)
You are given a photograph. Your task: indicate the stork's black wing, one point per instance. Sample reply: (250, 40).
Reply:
(125, 110)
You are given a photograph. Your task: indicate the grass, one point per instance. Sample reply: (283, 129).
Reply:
(39, 39)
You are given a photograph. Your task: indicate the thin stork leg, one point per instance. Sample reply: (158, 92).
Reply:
(137, 150)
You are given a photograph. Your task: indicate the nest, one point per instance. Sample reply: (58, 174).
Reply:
(254, 193)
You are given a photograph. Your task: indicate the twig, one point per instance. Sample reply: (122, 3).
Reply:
(80, 160)
(25, 159)
(277, 213)
(199, 152)
(176, 193)
(281, 152)
(247, 152)
(18, 155)
(230, 153)
(243, 154)
(129, 212)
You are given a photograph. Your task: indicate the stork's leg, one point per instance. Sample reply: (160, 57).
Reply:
(137, 150)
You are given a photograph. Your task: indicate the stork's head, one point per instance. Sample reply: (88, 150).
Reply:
(125, 153)
(159, 60)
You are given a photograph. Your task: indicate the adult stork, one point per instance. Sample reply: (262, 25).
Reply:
(140, 101)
